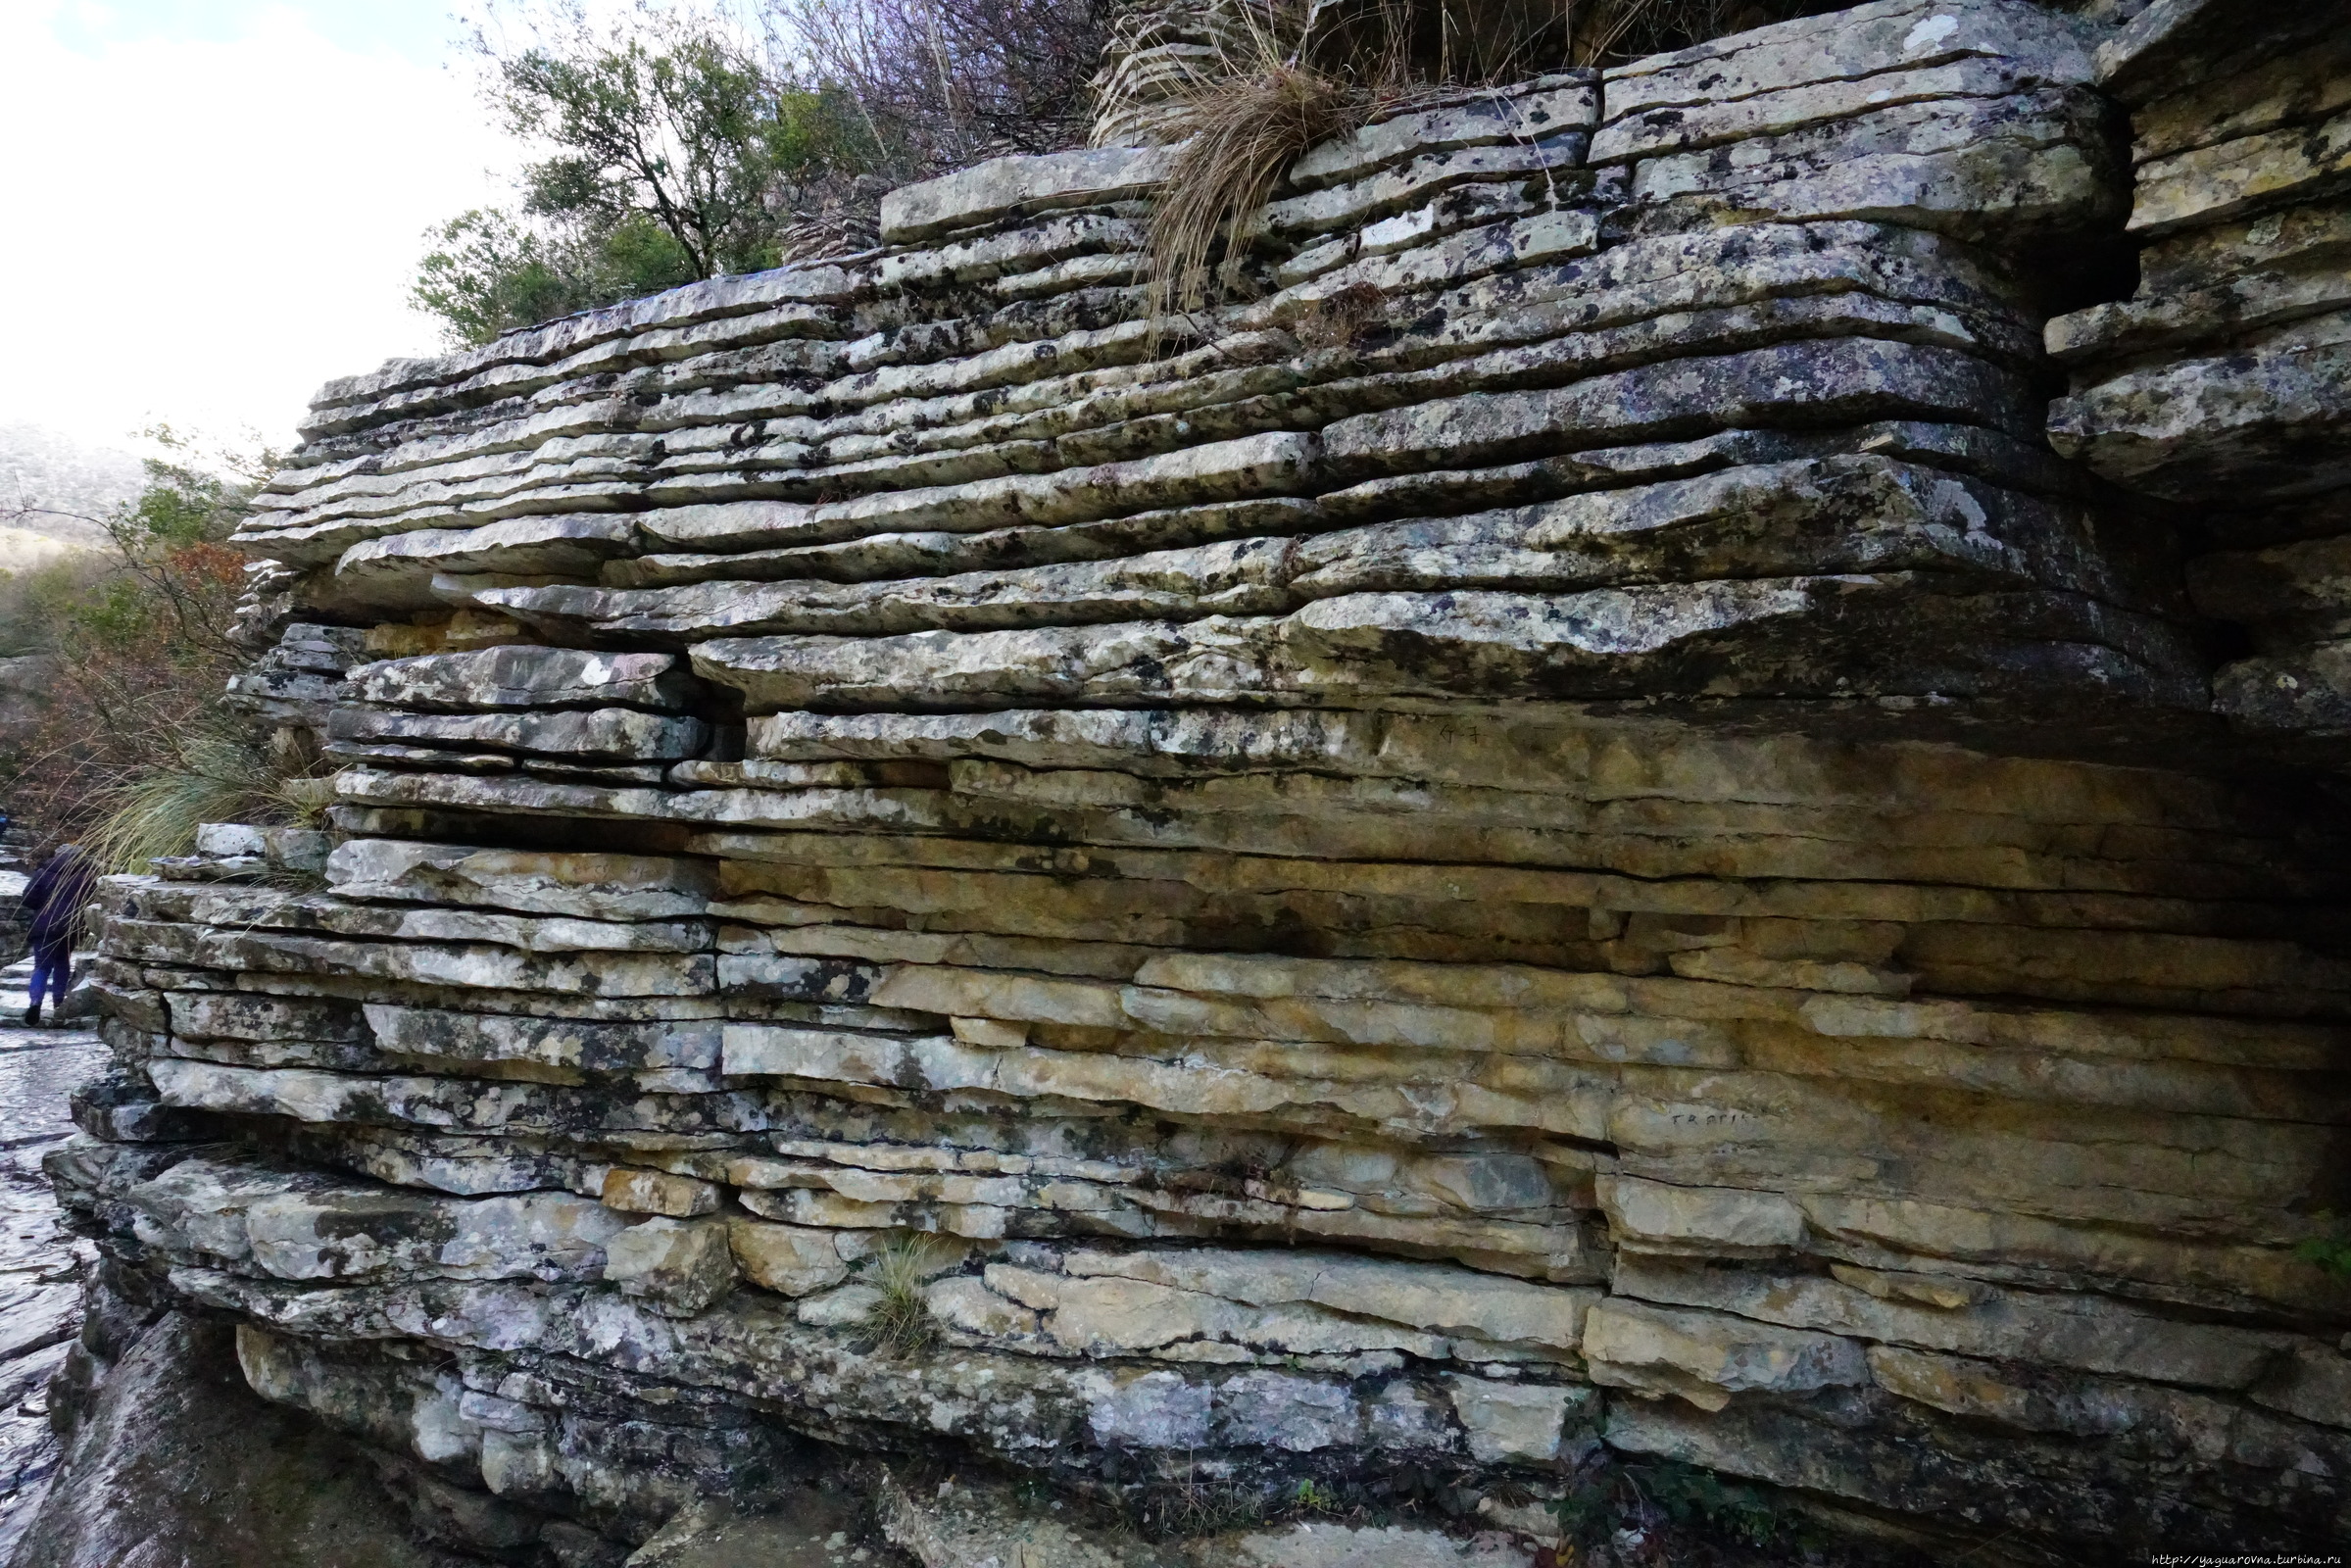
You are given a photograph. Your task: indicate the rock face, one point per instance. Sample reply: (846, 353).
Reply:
(2224, 386)
(40, 1260)
(180, 1463)
(1564, 833)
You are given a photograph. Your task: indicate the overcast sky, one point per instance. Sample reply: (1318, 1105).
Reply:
(212, 206)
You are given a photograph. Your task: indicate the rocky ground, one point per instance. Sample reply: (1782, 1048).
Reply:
(41, 1264)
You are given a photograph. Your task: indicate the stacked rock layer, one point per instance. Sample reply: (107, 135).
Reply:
(1564, 829)
(2224, 386)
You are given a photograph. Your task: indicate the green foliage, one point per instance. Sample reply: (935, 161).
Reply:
(113, 611)
(1312, 1498)
(211, 769)
(166, 590)
(492, 271)
(673, 121)
(35, 603)
(819, 130)
(673, 153)
(1688, 1495)
(135, 745)
(2332, 1251)
(1604, 1497)
(489, 272)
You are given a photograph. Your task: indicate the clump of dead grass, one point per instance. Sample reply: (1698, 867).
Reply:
(1247, 122)
(1353, 317)
(1290, 74)
(215, 767)
(1197, 1504)
(1245, 134)
(901, 1320)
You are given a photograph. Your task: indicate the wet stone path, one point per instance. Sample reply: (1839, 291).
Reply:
(40, 1264)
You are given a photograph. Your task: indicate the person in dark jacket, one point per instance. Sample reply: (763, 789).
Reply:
(54, 899)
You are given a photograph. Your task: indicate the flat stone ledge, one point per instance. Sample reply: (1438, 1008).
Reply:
(1003, 186)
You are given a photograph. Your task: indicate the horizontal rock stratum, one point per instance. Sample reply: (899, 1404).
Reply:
(1585, 824)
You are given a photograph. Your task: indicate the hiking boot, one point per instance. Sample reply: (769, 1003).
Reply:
(33, 1016)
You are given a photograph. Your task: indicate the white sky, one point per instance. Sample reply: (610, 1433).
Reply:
(214, 206)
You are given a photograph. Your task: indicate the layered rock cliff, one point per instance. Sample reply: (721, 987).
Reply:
(1586, 829)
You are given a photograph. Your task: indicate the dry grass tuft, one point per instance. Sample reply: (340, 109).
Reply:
(1193, 1504)
(1289, 74)
(1356, 318)
(214, 770)
(1245, 131)
(1248, 121)
(898, 1268)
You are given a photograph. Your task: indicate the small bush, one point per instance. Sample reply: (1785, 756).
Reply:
(1312, 1498)
(1604, 1497)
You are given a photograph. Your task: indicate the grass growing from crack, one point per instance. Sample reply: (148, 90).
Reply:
(214, 770)
(1286, 74)
(1248, 120)
(901, 1320)
(1197, 1504)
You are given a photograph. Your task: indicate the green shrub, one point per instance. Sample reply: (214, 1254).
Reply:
(2332, 1251)
(1604, 1497)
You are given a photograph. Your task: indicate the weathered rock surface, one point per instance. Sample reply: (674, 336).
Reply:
(41, 1263)
(2225, 384)
(179, 1462)
(812, 1530)
(1585, 828)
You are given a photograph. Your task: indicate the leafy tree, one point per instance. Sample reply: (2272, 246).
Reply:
(674, 152)
(675, 123)
(136, 646)
(490, 272)
(946, 83)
